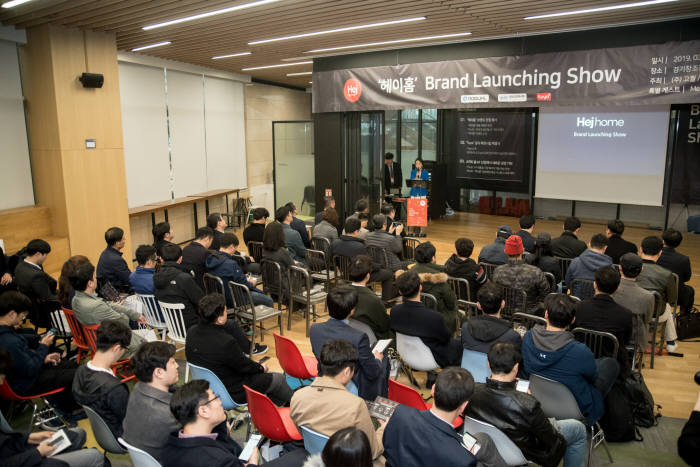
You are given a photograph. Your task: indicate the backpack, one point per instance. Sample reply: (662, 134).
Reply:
(618, 420)
(641, 401)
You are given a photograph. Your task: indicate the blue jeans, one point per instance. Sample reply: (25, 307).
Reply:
(260, 298)
(574, 432)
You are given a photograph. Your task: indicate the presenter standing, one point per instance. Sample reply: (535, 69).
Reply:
(419, 173)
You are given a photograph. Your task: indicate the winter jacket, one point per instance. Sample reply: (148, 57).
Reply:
(434, 282)
(141, 280)
(584, 267)
(546, 264)
(392, 244)
(481, 331)
(294, 243)
(253, 233)
(528, 240)
(325, 230)
(371, 311)
(567, 245)
(113, 268)
(467, 269)
(194, 257)
(300, 226)
(223, 265)
(518, 275)
(172, 285)
(494, 253)
(26, 363)
(618, 246)
(557, 355)
(103, 393)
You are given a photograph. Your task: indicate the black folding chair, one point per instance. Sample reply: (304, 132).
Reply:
(342, 267)
(429, 300)
(321, 244)
(489, 268)
(582, 288)
(255, 250)
(602, 344)
(527, 321)
(409, 248)
(564, 264)
(213, 284)
(516, 302)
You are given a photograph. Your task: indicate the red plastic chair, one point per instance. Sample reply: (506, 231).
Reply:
(122, 368)
(76, 330)
(272, 422)
(291, 360)
(406, 395)
(7, 393)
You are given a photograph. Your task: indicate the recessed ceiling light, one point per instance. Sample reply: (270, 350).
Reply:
(397, 41)
(159, 44)
(276, 66)
(300, 74)
(348, 28)
(311, 82)
(602, 8)
(239, 54)
(208, 14)
(12, 3)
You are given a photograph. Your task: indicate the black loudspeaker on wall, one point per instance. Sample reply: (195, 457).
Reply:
(92, 80)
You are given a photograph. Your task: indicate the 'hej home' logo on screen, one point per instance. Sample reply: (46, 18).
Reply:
(352, 90)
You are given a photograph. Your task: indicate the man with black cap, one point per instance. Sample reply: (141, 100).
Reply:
(493, 253)
(630, 295)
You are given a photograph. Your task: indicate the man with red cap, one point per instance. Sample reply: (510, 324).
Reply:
(516, 274)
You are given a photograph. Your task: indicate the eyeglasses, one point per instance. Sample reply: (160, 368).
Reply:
(211, 400)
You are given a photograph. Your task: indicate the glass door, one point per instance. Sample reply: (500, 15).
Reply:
(293, 154)
(364, 149)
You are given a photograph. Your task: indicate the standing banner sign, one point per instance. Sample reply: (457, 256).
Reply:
(666, 73)
(685, 182)
(417, 215)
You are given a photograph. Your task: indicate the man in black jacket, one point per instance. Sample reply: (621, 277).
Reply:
(194, 255)
(217, 223)
(527, 224)
(617, 246)
(461, 265)
(413, 318)
(162, 235)
(298, 224)
(95, 384)
(254, 232)
(209, 344)
(520, 417)
(568, 245)
(33, 282)
(481, 331)
(111, 266)
(393, 181)
(680, 264)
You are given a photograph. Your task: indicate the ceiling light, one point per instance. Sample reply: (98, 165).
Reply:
(159, 44)
(397, 41)
(276, 66)
(300, 74)
(208, 14)
(14, 3)
(239, 54)
(331, 31)
(602, 8)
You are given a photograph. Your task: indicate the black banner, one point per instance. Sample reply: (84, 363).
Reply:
(494, 149)
(685, 182)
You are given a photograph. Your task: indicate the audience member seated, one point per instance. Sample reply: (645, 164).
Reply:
(602, 313)
(350, 245)
(19, 449)
(617, 246)
(204, 438)
(194, 255)
(587, 263)
(389, 210)
(328, 202)
(372, 376)
(390, 241)
(162, 235)
(349, 446)
(327, 406)
(481, 331)
(518, 275)
(298, 224)
(370, 309)
(141, 280)
(689, 440)
(543, 259)
(90, 309)
(6, 275)
(111, 267)
(553, 352)
(292, 239)
(217, 223)
(210, 344)
(568, 245)
(434, 281)
(414, 438)
(148, 420)
(328, 226)
(65, 290)
(223, 265)
(520, 417)
(527, 225)
(657, 278)
(631, 296)
(95, 384)
(363, 217)
(33, 282)
(254, 231)
(173, 285)
(680, 264)
(462, 266)
(361, 206)
(413, 318)
(33, 371)
(494, 252)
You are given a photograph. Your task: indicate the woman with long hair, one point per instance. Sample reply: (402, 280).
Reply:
(65, 289)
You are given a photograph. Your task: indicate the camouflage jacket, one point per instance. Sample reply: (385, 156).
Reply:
(517, 274)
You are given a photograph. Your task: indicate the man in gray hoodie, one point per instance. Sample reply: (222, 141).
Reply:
(586, 264)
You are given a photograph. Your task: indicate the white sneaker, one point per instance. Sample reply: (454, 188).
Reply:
(671, 347)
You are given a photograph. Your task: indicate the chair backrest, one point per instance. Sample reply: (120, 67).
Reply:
(527, 320)
(552, 281)
(477, 363)
(59, 321)
(406, 395)
(255, 250)
(177, 330)
(76, 329)
(516, 302)
(378, 255)
(556, 399)
(460, 286)
(509, 451)
(342, 267)
(489, 268)
(103, 435)
(215, 384)
(265, 416)
(415, 353)
(564, 264)
(409, 248)
(314, 442)
(213, 284)
(299, 283)
(272, 278)
(582, 288)
(602, 344)
(429, 300)
(90, 333)
(242, 298)
(321, 244)
(139, 457)
(151, 310)
(360, 326)
(470, 309)
(316, 261)
(677, 282)
(290, 358)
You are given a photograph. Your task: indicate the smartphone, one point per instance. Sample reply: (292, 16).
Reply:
(250, 445)
(54, 442)
(51, 332)
(470, 443)
(264, 359)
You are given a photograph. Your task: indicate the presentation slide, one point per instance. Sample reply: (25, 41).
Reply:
(603, 154)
